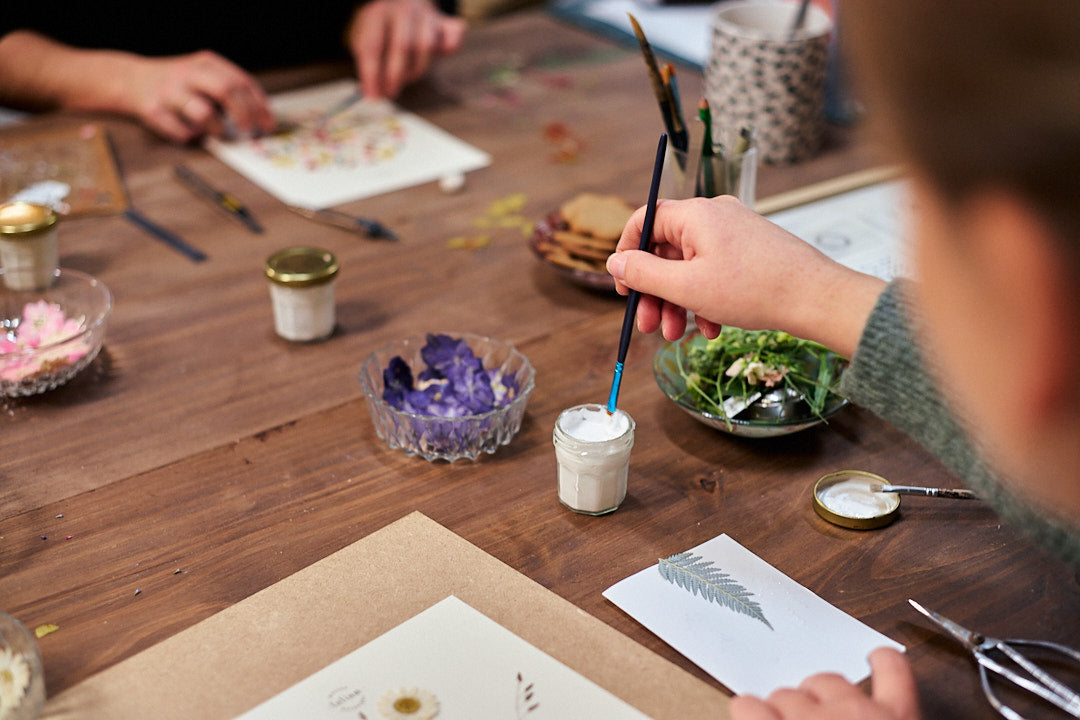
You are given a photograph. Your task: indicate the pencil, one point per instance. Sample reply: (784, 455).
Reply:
(634, 296)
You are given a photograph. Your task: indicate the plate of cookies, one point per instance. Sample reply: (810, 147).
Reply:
(577, 239)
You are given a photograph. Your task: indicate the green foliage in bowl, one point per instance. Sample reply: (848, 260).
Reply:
(784, 383)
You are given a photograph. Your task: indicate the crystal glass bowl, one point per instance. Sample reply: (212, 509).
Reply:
(22, 679)
(48, 336)
(448, 438)
(774, 414)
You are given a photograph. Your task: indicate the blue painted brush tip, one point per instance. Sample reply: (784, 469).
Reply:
(615, 383)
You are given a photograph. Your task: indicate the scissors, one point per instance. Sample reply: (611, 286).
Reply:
(1036, 680)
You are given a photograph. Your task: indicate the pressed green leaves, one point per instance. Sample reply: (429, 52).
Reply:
(697, 575)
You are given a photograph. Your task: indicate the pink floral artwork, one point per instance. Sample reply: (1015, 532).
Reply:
(348, 141)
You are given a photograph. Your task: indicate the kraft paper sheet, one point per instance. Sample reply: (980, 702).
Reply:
(242, 656)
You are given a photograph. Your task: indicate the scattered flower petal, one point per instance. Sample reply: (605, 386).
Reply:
(42, 630)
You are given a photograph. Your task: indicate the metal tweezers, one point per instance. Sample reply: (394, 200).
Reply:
(1030, 676)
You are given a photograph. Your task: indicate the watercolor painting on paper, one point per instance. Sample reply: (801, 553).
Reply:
(450, 662)
(369, 148)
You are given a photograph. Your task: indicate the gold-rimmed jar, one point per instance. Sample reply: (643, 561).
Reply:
(29, 251)
(302, 292)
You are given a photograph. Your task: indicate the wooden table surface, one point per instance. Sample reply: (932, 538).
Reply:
(201, 441)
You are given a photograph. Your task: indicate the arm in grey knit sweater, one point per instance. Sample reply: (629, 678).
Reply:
(890, 376)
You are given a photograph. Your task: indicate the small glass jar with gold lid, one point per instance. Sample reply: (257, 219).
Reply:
(302, 292)
(29, 252)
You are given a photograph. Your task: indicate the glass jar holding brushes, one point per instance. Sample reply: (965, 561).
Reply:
(693, 168)
(713, 168)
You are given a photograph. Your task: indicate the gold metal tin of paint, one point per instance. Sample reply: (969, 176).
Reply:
(847, 518)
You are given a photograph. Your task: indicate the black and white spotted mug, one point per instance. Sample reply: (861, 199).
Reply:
(765, 74)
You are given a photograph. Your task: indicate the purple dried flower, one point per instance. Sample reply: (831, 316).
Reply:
(445, 354)
(453, 384)
(397, 382)
(474, 390)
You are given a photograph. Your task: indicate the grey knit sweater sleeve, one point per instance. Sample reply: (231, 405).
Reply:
(889, 376)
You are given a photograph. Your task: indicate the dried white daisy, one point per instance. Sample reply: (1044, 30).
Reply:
(14, 679)
(408, 704)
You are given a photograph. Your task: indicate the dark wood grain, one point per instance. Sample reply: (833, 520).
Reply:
(202, 459)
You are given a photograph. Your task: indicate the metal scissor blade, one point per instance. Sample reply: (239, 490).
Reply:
(962, 634)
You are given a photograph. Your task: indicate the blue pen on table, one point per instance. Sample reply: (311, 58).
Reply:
(169, 238)
(634, 296)
(224, 200)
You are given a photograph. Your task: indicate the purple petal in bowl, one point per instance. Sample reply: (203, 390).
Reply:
(437, 436)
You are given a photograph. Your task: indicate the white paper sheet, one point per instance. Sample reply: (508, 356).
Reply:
(808, 635)
(455, 661)
(861, 228)
(371, 148)
(680, 31)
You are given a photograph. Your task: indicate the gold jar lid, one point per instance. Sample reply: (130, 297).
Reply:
(23, 219)
(301, 266)
(847, 498)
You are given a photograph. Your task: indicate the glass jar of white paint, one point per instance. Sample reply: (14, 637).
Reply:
(29, 252)
(302, 292)
(592, 448)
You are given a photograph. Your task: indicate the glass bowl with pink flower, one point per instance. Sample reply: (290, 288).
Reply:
(47, 336)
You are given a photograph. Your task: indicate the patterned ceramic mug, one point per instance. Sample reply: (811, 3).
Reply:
(765, 74)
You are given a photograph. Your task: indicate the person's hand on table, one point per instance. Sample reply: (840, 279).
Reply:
(729, 265)
(181, 97)
(395, 41)
(189, 96)
(831, 697)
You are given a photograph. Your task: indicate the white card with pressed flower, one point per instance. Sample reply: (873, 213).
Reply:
(743, 621)
(450, 662)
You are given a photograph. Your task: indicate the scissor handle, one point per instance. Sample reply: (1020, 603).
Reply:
(1044, 684)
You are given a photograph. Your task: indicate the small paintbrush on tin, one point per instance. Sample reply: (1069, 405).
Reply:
(953, 493)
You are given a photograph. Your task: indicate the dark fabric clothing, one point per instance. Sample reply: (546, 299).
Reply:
(254, 35)
(890, 376)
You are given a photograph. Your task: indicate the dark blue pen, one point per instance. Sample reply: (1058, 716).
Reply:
(167, 237)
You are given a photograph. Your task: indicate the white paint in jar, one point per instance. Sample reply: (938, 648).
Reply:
(302, 293)
(29, 251)
(593, 453)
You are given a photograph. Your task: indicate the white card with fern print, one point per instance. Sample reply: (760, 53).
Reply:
(743, 621)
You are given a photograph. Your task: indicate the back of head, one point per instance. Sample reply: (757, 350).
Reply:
(977, 95)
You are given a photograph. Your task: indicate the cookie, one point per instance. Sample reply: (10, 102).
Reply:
(602, 216)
